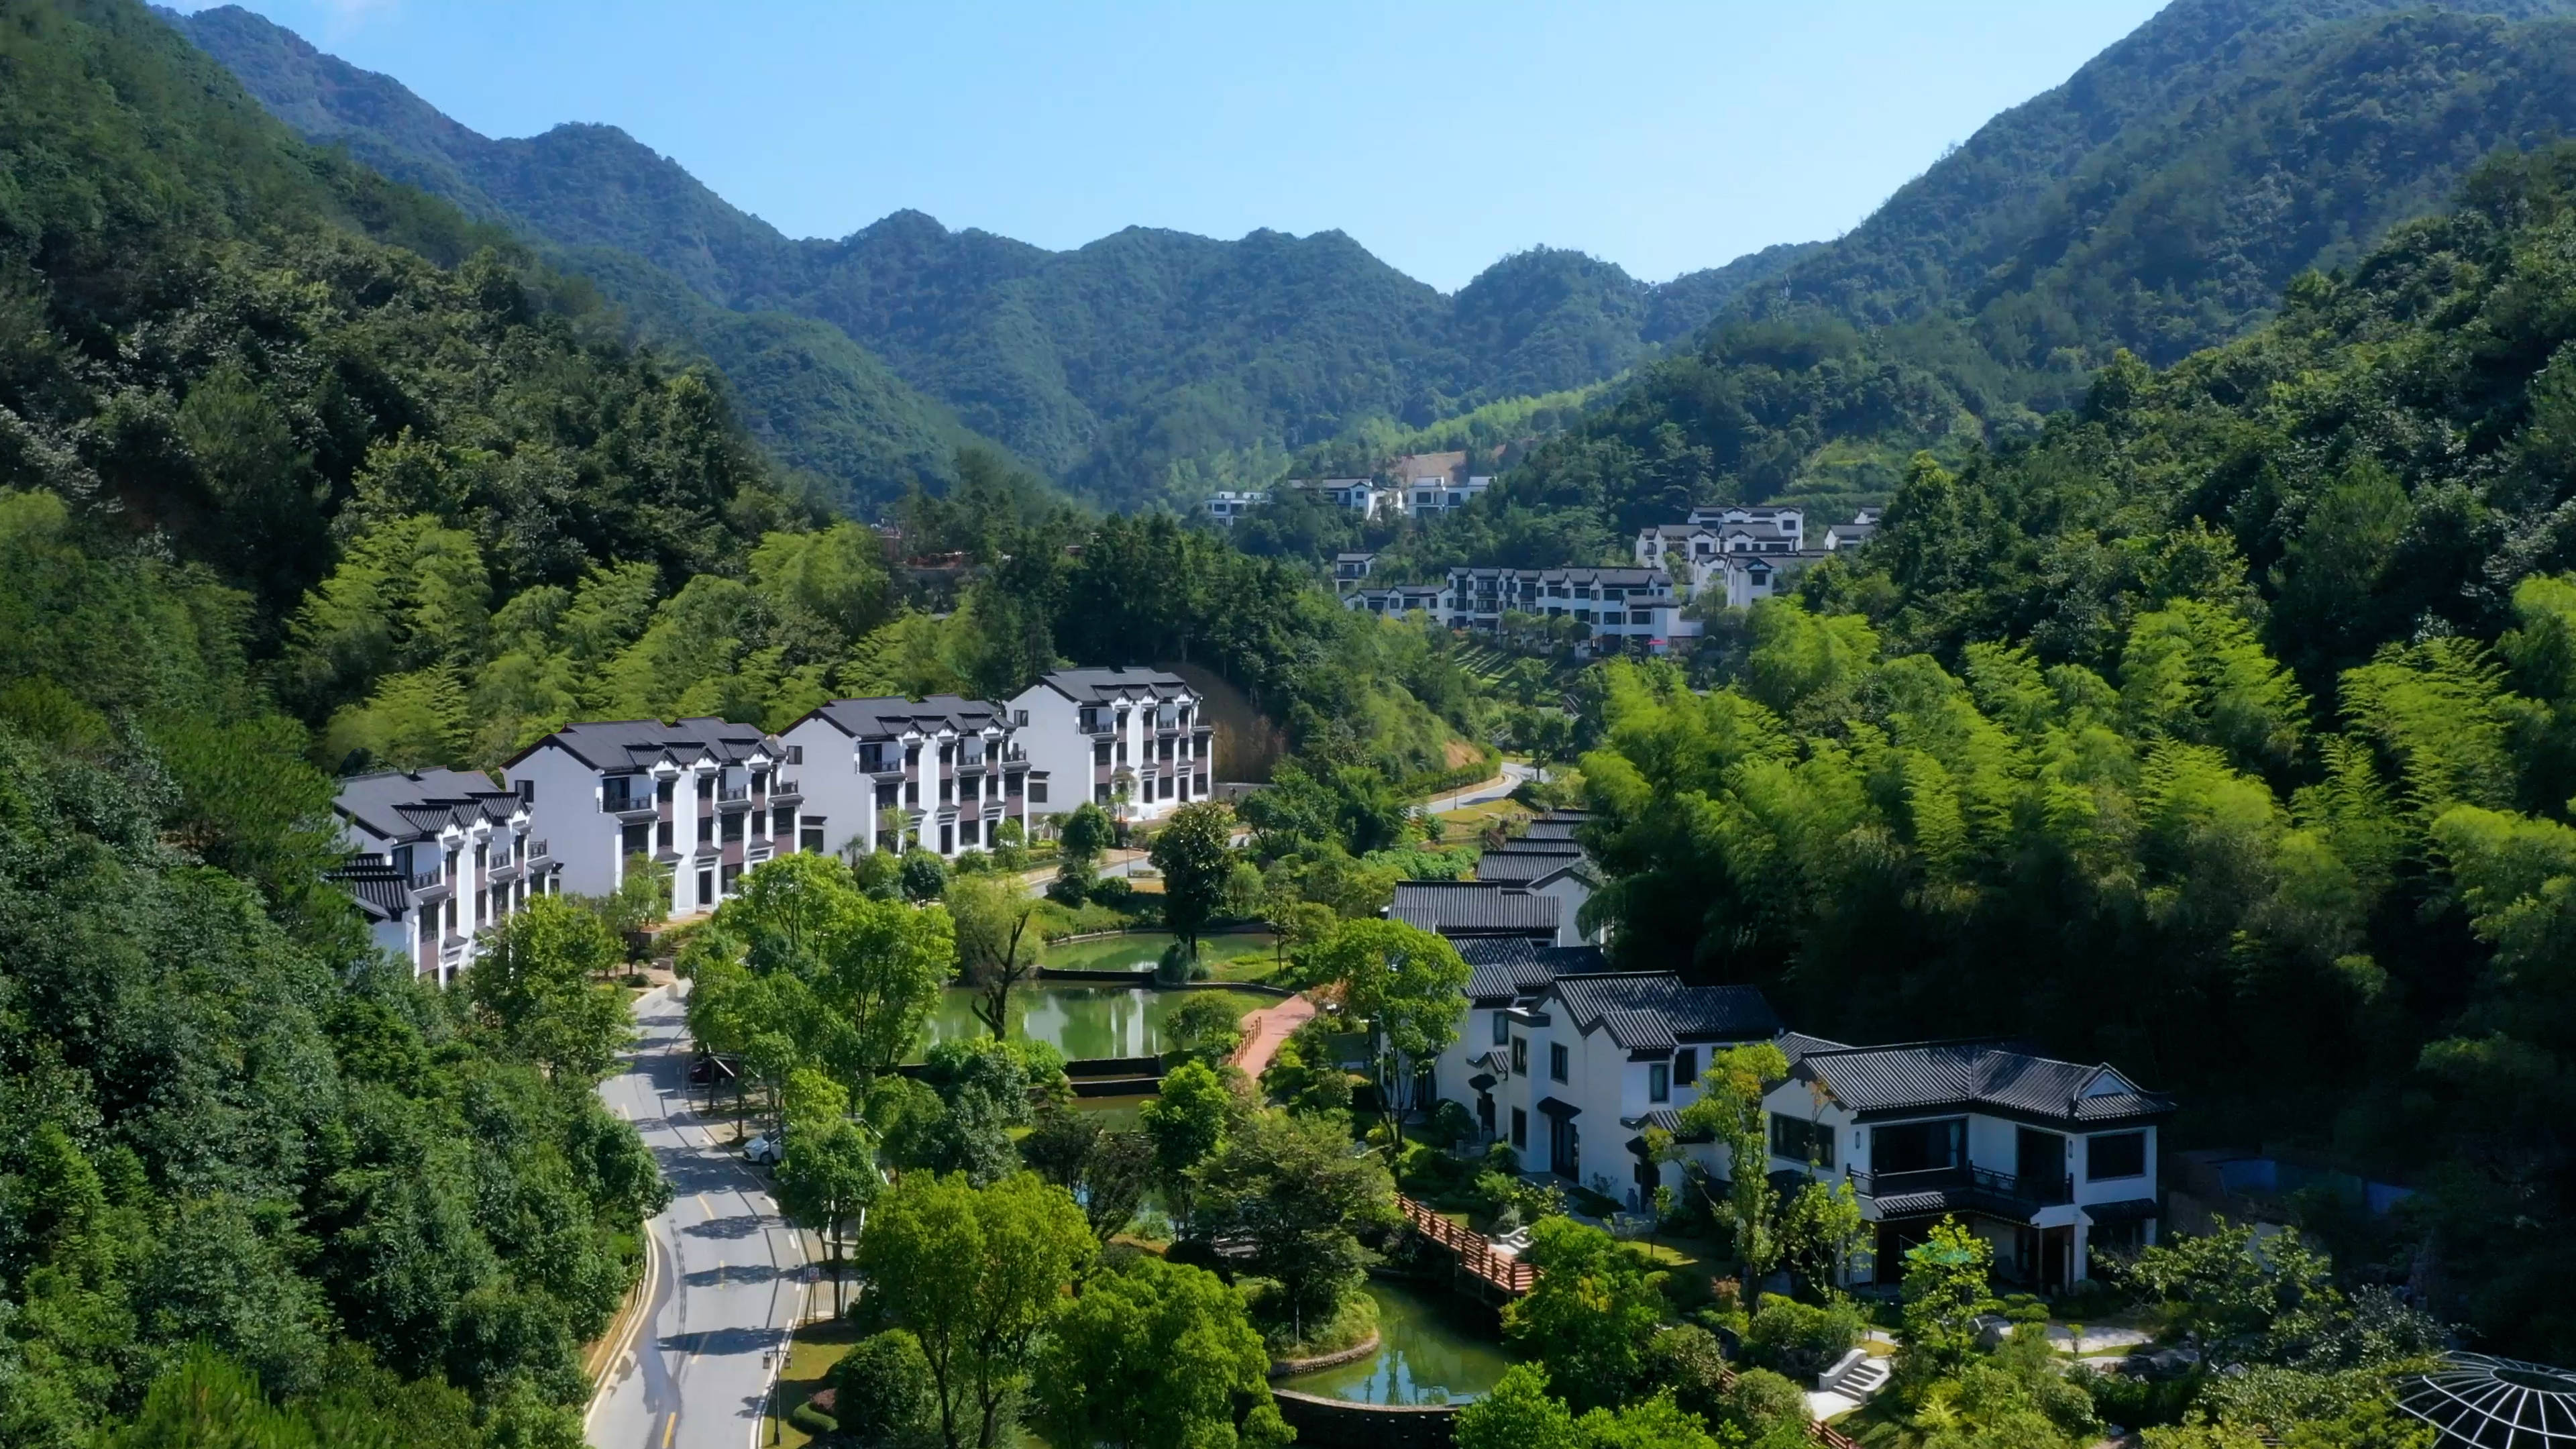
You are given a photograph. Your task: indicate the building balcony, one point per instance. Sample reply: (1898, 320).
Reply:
(727, 794)
(1961, 1188)
(787, 790)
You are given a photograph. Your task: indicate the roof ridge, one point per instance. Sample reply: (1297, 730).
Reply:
(1990, 1042)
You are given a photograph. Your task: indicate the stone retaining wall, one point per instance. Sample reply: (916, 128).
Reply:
(1323, 1423)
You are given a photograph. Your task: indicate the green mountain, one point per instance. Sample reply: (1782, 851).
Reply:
(1106, 365)
(2157, 202)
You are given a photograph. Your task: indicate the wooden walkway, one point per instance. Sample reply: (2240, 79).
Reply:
(1500, 1273)
(1476, 1258)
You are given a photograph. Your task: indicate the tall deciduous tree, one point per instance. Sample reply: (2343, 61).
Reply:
(1195, 852)
(977, 1276)
(1729, 1107)
(829, 1172)
(1291, 1188)
(1185, 1122)
(995, 949)
(1407, 984)
(1155, 1355)
(1595, 1308)
(537, 989)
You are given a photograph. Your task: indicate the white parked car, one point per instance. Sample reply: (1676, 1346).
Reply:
(761, 1151)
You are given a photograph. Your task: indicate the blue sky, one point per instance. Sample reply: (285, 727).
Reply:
(1662, 136)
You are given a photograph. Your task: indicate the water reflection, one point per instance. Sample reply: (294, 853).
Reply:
(1432, 1349)
(1078, 1020)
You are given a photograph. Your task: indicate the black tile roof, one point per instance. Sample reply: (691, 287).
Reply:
(1795, 1045)
(1107, 686)
(886, 719)
(381, 891)
(1508, 967)
(1552, 830)
(1528, 867)
(1670, 1120)
(1929, 1076)
(626, 746)
(1473, 908)
(1647, 1010)
(406, 804)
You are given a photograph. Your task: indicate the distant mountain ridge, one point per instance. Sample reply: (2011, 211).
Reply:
(1105, 365)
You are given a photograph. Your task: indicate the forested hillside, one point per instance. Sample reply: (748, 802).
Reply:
(1105, 366)
(2220, 730)
(2158, 202)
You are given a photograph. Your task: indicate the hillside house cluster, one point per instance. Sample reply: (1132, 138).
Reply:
(1572, 1063)
(1633, 609)
(1226, 507)
(440, 857)
(1747, 553)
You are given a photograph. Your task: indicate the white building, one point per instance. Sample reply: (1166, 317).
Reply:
(1226, 507)
(1570, 1063)
(941, 774)
(1136, 742)
(1363, 496)
(2047, 1160)
(1351, 570)
(444, 856)
(706, 798)
(1749, 553)
(1424, 497)
(1399, 601)
(1618, 608)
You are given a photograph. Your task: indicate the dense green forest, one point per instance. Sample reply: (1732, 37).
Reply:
(2219, 730)
(1108, 367)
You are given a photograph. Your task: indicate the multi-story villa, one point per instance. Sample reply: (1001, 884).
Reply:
(704, 798)
(1633, 608)
(2047, 1160)
(1400, 600)
(444, 855)
(1351, 570)
(1226, 507)
(1751, 553)
(1136, 742)
(941, 773)
(1437, 493)
(1362, 496)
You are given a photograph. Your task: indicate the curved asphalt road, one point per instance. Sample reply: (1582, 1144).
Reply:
(727, 1279)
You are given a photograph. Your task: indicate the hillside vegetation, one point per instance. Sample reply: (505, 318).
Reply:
(2221, 731)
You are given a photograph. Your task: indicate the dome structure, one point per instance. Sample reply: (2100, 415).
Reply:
(2481, 1402)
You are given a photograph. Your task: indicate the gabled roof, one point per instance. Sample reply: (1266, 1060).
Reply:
(1359, 557)
(1929, 1076)
(1509, 967)
(626, 745)
(892, 718)
(1656, 1009)
(381, 891)
(1531, 868)
(1473, 908)
(407, 804)
(1551, 830)
(1109, 686)
(1523, 845)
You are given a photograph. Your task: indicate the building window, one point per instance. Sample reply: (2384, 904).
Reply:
(1520, 1056)
(810, 837)
(947, 791)
(1686, 1066)
(1520, 1130)
(732, 828)
(732, 874)
(639, 839)
(1659, 1083)
(2115, 1155)
(1800, 1140)
(947, 839)
(912, 792)
(706, 830)
(966, 829)
(1502, 1029)
(1556, 1055)
(663, 791)
(707, 786)
(1919, 1146)
(662, 833)
(1037, 792)
(706, 886)
(782, 821)
(1100, 794)
(1100, 753)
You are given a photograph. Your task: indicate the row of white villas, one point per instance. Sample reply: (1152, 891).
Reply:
(1749, 553)
(444, 855)
(1571, 1063)
(1619, 608)
(1415, 498)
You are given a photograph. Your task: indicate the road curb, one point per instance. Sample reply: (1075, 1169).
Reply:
(613, 1346)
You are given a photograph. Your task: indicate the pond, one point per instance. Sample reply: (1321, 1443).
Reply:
(1431, 1349)
(1078, 1019)
(1139, 950)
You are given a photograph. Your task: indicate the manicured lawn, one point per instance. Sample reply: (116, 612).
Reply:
(817, 1346)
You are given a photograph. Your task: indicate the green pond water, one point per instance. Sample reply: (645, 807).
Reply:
(1139, 950)
(1431, 1350)
(1078, 1019)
